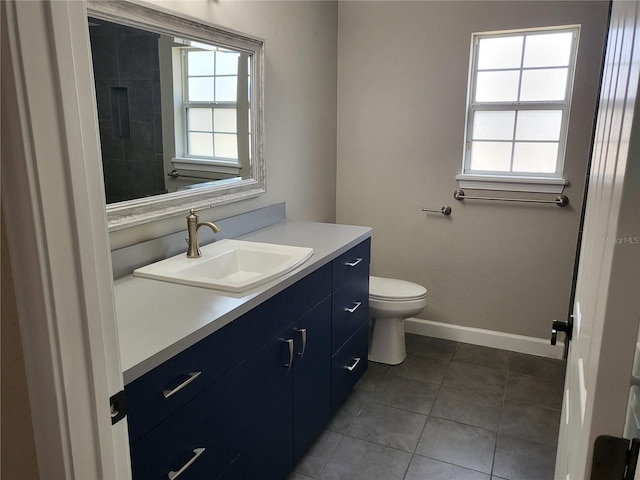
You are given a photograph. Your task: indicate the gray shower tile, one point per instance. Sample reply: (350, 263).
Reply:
(473, 408)
(406, 393)
(316, 458)
(485, 356)
(359, 460)
(420, 368)
(388, 426)
(516, 459)
(422, 468)
(463, 445)
(343, 418)
(534, 390)
(475, 378)
(548, 368)
(439, 350)
(530, 422)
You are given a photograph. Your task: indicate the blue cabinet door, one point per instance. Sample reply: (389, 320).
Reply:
(311, 376)
(265, 406)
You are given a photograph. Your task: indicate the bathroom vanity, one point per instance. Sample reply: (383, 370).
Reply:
(238, 385)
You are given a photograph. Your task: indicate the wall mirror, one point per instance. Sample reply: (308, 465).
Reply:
(180, 112)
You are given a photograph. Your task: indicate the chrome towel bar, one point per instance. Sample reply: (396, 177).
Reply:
(445, 210)
(560, 200)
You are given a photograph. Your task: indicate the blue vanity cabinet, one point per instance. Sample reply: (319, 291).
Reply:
(269, 382)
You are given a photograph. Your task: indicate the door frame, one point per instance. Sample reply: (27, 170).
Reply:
(53, 206)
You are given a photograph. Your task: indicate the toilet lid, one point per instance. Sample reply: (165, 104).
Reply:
(394, 289)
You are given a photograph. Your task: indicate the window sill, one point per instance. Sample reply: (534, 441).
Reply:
(512, 184)
(206, 165)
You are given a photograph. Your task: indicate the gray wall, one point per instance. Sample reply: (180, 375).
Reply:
(402, 84)
(300, 106)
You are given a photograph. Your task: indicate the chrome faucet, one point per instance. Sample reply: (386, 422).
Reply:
(192, 228)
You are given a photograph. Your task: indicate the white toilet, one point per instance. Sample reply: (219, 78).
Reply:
(391, 301)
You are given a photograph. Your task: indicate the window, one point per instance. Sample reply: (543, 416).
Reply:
(518, 107)
(211, 112)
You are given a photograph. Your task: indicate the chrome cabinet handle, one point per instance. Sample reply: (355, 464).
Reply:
(303, 334)
(354, 308)
(353, 263)
(173, 475)
(290, 343)
(355, 363)
(192, 376)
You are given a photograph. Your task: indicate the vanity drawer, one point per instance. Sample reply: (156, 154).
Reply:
(209, 422)
(208, 360)
(348, 365)
(350, 308)
(351, 263)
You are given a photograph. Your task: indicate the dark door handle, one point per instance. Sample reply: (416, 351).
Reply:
(558, 326)
(567, 328)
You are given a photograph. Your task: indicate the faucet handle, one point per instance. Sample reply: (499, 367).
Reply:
(192, 211)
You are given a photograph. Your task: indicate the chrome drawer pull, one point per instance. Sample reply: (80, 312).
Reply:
(356, 361)
(354, 308)
(303, 333)
(290, 343)
(353, 263)
(192, 377)
(173, 475)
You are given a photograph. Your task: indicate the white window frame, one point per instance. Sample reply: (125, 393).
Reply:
(516, 181)
(182, 160)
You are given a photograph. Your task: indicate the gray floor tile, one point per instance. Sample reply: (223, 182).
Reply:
(419, 368)
(422, 468)
(316, 458)
(370, 380)
(479, 355)
(475, 378)
(388, 426)
(534, 390)
(359, 460)
(437, 349)
(521, 459)
(346, 414)
(406, 393)
(473, 408)
(463, 445)
(530, 422)
(547, 368)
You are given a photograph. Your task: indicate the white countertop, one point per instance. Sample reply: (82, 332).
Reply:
(157, 320)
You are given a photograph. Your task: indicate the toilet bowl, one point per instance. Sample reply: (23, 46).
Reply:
(391, 301)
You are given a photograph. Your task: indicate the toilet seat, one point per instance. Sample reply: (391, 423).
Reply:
(394, 290)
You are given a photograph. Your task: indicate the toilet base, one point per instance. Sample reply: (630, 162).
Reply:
(387, 343)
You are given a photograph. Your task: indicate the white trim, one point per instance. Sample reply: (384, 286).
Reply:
(485, 338)
(53, 200)
(512, 184)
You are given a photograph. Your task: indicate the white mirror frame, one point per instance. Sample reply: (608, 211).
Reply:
(139, 211)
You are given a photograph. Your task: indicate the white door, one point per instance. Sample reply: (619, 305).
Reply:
(607, 306)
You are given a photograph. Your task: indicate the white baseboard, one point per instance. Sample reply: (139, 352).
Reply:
(485, 338)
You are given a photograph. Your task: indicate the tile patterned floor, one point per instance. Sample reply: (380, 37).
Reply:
(450, 411)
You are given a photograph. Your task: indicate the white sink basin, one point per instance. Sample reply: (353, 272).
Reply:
(228, 265)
